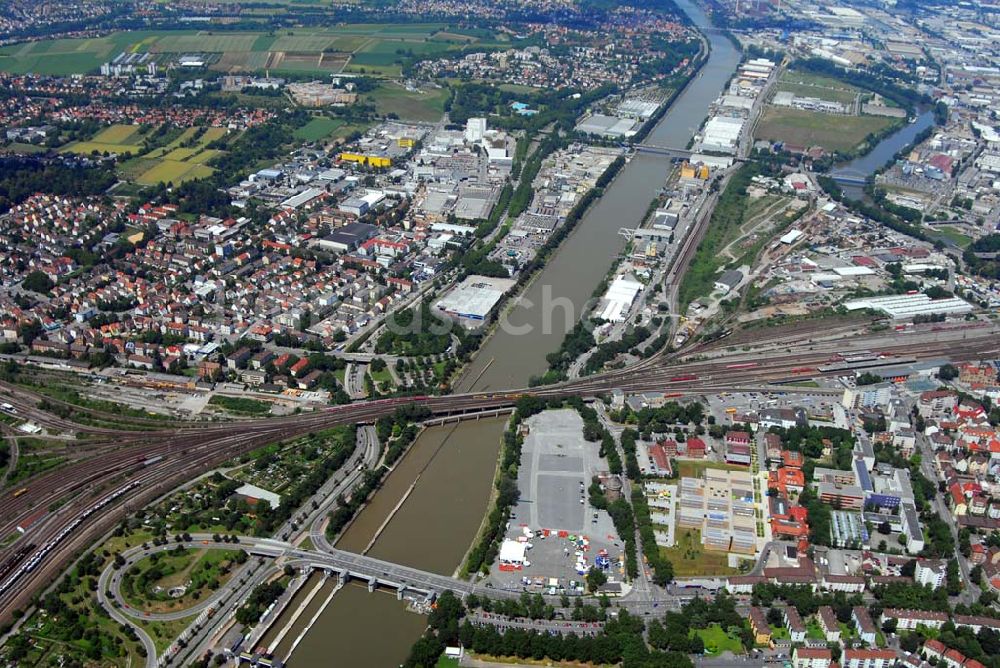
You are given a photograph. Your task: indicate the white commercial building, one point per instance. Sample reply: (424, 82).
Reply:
(791, 236)
(475, 297)
(722, 133)
(618, 299)
(475, 130)
(900, 307)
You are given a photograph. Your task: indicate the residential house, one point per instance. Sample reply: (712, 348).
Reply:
(869, 658)
(811, 657)
(761, 629)
(863, 624)
(828, 623)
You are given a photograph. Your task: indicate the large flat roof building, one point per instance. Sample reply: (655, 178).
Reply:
(900, 307)
(475, 297)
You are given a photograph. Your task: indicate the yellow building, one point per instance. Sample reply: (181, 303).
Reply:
(761, 629)
(363, 159)
(405, 142)
(689, 171)
(359, 158)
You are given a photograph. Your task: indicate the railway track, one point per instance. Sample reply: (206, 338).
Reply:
(186, 453)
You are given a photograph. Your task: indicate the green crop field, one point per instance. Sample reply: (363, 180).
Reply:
(814, 85)
(176, 162)
(204, 43)
(319, 128)
(375, 47)
(117, 139)
(173, 171)
(425, 104)
(807, 128)
(203, 157)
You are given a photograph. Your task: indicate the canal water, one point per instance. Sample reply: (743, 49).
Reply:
(435, 526)
(555, 300)
(453, 466)
(883, 153)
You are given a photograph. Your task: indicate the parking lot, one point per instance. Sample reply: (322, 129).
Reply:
(746, 402)
(556, 468)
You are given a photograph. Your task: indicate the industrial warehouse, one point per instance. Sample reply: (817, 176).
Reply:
(472, 301)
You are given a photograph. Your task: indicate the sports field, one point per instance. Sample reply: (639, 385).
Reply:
(376, 49)
(806, 128)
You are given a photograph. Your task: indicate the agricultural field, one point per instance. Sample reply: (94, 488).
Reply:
(173, 171)
(66, 56)
(424, 104)
(182, 159)
(815, 85)
(376, 49)
(117, 138)
(806, 128)
(323, 127)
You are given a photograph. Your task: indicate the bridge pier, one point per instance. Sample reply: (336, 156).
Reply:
(343, 577)
(399, 593)
(372, 584)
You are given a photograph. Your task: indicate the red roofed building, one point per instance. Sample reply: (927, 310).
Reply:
(737, 438)
(935, 649)
(669, 446)
(659, 462)
(787, 480)
(970, 410)
(794, 526)
(792, 459)
(942, 162)
(696, 448)
(953, 658)
(812, 657)
(869, 658)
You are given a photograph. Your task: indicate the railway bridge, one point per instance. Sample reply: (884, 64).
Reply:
(668, 151)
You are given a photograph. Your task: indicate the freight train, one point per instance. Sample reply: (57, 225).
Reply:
(42, 552)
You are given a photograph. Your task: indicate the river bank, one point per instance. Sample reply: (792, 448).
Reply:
(435, 527)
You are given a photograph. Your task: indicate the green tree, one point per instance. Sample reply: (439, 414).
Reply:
(596, 578)
(37, 281)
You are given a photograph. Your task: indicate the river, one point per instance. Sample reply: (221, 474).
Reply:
(861, 168)
(435, 526)
(554, 301)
